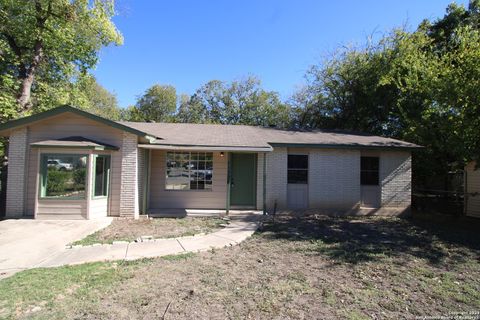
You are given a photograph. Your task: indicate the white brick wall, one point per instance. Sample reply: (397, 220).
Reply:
(129, 206)
(396, 179)
(277, 178)
(334, 179)
(17, 154)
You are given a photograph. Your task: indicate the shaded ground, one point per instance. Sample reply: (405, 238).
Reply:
(129, 230)
(295, 267)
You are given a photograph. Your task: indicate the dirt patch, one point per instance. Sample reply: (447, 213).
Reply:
(130, 230)
(309, 267)
(300, 267)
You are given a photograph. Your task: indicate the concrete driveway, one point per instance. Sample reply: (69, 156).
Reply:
(26, 243)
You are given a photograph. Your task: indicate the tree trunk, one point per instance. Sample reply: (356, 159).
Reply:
(27, 80)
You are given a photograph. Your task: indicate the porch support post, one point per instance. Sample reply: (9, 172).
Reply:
(264, 182)
(145, 179)
(229, 181)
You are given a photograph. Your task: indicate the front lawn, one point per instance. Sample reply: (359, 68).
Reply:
(294, 267)
(130, 230)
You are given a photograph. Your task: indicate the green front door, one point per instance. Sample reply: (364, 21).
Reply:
(243, 179)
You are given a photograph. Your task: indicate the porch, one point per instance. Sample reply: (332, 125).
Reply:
(191, 182)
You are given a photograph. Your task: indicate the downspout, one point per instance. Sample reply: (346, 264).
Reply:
(229, 182)
(264, 183)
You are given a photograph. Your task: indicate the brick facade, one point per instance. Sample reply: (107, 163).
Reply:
(129, 206)
(17, 159)
(334, 179)
(396, 179)
(277, 178)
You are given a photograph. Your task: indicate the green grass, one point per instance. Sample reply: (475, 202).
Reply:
(94, 238)
(44, 288)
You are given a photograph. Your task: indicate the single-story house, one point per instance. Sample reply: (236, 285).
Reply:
(70, 164)
(472, 190)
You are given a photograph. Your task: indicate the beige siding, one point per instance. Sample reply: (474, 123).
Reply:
(70, 209)
(66, 125)
(142, 156)
(260, 159)
(98, 208)
(473, 191)
(193, 199)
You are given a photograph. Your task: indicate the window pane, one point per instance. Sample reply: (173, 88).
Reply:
(99, 172)
(65, 176)
(369, 163)
(296, 161)
(369, 174)
(369, 178)
(187, 170)
(298, 176)
(102, 167)
(208, 185)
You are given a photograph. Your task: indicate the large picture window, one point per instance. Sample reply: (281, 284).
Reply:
(63, 176)
(189, 171)
(297, 169)
(102, 175)
(369, 167)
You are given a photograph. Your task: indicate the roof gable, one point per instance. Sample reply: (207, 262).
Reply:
(66, 108)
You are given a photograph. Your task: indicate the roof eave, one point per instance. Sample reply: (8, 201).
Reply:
(205, 148)
(343, 146)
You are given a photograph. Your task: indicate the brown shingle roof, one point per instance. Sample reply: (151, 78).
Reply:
(188, 134)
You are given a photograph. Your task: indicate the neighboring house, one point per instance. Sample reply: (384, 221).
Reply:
(69, 164)
(472, 190)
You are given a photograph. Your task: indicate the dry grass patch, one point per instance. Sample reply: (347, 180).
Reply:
(129, 230)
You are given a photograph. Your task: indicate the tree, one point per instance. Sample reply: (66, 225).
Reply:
(92, 97)
(158, 104)
(47, 41)
(420, 86)
(242, 101)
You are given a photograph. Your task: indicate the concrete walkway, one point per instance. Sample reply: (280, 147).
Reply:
(26, 243)
(240, 228)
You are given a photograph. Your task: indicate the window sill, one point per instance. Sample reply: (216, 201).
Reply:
(188, 190)
(99, 197)
(60, 199)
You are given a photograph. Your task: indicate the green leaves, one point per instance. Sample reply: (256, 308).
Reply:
(420, 86)
(46, 45)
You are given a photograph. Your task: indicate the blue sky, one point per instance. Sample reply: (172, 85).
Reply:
(187, 43)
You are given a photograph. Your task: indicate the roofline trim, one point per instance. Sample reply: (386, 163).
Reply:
(66, 108)
(204, 148)
(52, 146)
(343, 146)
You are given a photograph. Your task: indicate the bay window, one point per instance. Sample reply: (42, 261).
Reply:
(63, 176)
